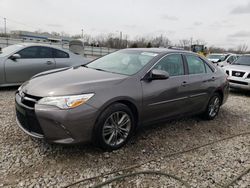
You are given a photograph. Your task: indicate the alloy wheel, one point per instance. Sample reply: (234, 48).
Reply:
(214, 106)
(116, 128)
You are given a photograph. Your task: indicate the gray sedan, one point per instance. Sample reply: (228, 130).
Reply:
(107, 99)
(20, 62)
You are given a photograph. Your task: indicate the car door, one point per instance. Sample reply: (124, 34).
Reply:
(33, 60)
(199, 82)
(169, 97)
(62, 58)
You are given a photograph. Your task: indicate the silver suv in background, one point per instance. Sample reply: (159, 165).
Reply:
(20, 62)
(222, 60)
(239, 73)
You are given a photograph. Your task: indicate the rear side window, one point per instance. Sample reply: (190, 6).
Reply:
(45, 52)
(60, 54)
(195, 65)
(29, 52)
(173, 64)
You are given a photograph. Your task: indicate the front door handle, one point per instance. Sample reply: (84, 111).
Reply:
(184, 83)
(210, 80)
(49, 62)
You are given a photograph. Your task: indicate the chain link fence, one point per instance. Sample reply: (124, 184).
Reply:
(89, 51)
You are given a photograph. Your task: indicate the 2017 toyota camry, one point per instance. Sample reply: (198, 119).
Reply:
(107, 99)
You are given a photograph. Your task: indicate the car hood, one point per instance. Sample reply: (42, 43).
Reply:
(70, 81)
(213, 60)
(238, 67)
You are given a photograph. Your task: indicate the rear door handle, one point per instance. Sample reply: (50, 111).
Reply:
(49, 62)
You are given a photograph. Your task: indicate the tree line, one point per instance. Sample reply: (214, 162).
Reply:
(112, 40)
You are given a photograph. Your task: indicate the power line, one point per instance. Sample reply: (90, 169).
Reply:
(20, 23)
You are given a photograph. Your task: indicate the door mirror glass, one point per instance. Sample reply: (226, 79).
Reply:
(158, 75)
(15, 56)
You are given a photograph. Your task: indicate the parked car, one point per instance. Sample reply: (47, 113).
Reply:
(20, 62)
(239, 73)
(107, 99)
(222, 59)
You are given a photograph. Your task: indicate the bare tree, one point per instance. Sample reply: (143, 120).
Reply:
(185, 43)
(242, 48)
(213, 49)
(200, 42)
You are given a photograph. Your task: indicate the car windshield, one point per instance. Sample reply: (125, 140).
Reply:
(243, 60)
(127, 62)
(8, 50)
(220, 57)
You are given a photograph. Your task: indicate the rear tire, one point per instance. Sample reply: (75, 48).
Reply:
(114, 127)
(213, 107)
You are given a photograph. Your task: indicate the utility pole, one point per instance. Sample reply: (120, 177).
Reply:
(120, 39)
(82, 33)
(5, 30)
(191, 43)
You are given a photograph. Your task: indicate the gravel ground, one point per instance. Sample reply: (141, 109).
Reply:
(27, 162)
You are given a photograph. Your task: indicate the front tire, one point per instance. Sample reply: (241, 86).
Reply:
(213, 107)
(114, 127)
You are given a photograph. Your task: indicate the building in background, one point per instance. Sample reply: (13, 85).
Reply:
(39, 37)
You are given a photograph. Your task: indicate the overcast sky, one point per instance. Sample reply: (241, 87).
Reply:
(223, 23)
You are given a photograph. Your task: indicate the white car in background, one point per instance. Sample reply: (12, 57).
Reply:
(222, 59)
(239, 73)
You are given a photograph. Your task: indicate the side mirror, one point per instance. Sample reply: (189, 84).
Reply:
(158, 75)
(14, 57)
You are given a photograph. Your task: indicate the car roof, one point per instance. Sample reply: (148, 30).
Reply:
(39, 44)
(158, 50)
(244, 54)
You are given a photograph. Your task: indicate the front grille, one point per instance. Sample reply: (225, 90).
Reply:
(29, 121)
(29, 100)
(238, 73)
(238, 82)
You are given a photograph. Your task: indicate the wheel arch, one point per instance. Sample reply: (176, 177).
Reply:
(131, 103)
(221, 94)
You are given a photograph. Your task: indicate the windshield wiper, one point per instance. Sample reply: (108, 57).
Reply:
(98, 69)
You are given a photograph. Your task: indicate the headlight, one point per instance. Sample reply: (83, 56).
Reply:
(66, 102)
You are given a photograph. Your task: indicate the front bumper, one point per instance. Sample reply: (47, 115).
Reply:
(55, 125)
(239, 83)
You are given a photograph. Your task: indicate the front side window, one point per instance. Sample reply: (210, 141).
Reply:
(173, 64)
(127, 62)
(208, 69)
(29, 53)
(195, 65)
